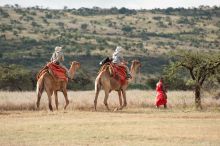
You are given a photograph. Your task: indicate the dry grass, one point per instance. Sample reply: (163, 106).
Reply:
(83, 100)
(138, 124)
(129, 127)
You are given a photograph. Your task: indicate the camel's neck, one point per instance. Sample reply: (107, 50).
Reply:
(133, 71)
(72, 72)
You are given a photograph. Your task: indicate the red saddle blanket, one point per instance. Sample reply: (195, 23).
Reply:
(57, 71)
(119, 73)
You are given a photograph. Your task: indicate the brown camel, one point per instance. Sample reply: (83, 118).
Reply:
(105, 81)
(51, 84)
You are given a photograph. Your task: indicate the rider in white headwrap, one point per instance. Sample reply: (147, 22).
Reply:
(118, 59)
(58, 58)
(117, 56)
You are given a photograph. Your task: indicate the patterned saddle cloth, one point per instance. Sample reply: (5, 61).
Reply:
(116, 71)
(56, 70)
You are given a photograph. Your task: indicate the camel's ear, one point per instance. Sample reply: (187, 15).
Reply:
(70, 63)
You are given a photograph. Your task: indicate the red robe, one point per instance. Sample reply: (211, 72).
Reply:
(161, 96)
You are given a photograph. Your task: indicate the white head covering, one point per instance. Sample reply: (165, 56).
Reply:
(118, 49)
(58, 49)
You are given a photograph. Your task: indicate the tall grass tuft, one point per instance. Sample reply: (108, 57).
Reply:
(83, 100)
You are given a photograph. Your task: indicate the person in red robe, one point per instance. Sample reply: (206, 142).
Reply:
(161, 97)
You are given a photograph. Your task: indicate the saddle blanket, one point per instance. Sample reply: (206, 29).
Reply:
(119, 73)
(57, 71)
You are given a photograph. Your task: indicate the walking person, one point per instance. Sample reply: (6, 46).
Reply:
(161, 97)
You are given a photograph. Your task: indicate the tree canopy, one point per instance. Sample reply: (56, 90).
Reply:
(200, 66)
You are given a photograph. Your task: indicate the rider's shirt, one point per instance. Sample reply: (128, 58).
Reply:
(117, 58)
(57, 57)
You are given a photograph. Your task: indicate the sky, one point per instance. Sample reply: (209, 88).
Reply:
(132, 4)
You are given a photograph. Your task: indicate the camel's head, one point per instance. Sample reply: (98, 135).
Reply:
(75, 65)
(136, 64)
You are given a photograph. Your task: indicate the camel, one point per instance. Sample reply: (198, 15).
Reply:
(108, 83)
(51, 84)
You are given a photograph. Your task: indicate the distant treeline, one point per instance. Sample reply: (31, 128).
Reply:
(200, 11)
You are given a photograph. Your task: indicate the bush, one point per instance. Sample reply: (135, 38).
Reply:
(127, 28)
(151, 83)
(84, 26)
(15, 77)
(144, 36)
(185, 20)
(101, 41)
(49, 16)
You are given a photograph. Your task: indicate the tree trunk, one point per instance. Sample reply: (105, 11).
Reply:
(197, 96)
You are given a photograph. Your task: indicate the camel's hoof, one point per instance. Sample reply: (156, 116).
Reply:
(116, 109)
(65, 107)
(51, 108)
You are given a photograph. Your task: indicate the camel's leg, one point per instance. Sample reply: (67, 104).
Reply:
(119, 96)
(56, 99)
(38, 100)
(40, 88)
(120, 101)
(124, 98)
(49, 94)
(66, 98)
(97, 90)
(106, 99)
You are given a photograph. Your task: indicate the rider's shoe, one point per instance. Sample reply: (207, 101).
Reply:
(128, 76)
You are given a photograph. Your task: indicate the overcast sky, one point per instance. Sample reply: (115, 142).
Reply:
(133, 4)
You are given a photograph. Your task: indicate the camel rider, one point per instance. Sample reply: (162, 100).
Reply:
(58, 58)
(118, 59)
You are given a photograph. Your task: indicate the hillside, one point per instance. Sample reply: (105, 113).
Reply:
(28, 35)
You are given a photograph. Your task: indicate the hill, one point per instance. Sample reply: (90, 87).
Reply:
(28, 36)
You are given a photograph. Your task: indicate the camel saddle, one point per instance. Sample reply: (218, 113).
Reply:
(116, 71)
(55, 70)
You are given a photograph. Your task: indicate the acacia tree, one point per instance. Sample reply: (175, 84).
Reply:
(200, 65)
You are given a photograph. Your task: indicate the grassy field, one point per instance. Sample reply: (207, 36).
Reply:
(129, 127)
(138, 124)
(83, 100)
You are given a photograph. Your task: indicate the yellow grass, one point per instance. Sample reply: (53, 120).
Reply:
(84, 100)
(138, 124)
(129, 127)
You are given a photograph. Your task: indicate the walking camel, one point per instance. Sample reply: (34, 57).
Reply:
(108, 83)
(51, 84)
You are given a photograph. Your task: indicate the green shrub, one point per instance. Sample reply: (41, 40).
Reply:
(15, 77)
(127, 28)
(84, 26)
